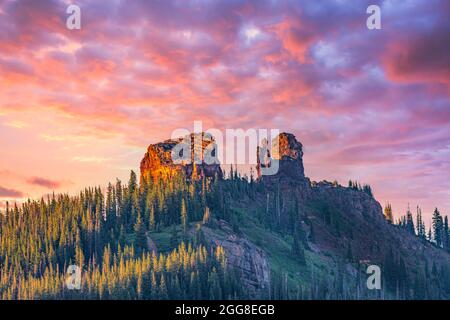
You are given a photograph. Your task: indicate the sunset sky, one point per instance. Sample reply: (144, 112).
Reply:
(79, 107)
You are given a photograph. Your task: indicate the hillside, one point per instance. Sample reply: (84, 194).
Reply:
(186, 232)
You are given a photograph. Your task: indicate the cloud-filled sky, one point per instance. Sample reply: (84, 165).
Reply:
(79, 107)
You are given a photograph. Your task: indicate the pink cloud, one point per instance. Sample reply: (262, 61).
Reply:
(422, 58)
(10, 193)
(42, 182)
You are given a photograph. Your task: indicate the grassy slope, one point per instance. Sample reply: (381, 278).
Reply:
(278, 249)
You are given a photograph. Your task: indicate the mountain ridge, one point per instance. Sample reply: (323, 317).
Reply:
(183, 232)
(335, 205)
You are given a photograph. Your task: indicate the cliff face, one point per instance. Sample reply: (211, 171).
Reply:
(244, 256)
(158, 161)
(288, 151)
(323, 201)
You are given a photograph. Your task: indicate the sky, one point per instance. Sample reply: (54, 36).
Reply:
(79, 107)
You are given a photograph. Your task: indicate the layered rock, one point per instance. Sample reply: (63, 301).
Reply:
(158, 162)
(288, 151)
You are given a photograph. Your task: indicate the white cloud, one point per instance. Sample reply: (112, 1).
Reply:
(252, 32)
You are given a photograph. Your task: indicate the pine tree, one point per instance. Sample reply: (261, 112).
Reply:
(349, 253)
(437, 227)
(140, 232)
(132, 183)
(388, 213)
(150, 207)
(420, 227)
(119, 195)
(430, 235)
(206, 216)
(174, 240)
(79, 257)
(368, 190)
(184, 217)
(163, 294)
(297, 246)
(446, 234)
(410, 222)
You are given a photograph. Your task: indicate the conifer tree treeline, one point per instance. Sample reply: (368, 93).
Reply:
(355, 185)
(106, 235)
(438, 233)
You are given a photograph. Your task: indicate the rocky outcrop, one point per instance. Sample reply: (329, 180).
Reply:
(158, 161)
(245, 257)
(288, 151)
(348, 200)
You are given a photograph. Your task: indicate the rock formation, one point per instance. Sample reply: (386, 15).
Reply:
(158, 161)
(288, 152)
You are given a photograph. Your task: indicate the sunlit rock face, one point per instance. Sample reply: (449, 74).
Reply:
(158, 161)
(288, 151)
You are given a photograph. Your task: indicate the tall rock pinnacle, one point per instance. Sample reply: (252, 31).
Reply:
(289, 152)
